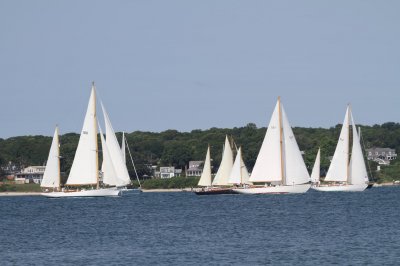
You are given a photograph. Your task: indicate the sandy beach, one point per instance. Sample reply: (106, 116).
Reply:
(11, 194)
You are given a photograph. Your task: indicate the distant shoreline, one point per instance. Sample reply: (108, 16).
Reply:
(188, 189)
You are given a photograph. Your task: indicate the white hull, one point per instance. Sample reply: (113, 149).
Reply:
(348, 188)
(274, 190)
(104, 192)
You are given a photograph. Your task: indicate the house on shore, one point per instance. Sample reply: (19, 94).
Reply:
(195, 168)
(382, 156)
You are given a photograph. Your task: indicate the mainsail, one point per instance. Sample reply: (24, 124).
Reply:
(51, 176)
(205, 179)
(222, 176)
(84, 170)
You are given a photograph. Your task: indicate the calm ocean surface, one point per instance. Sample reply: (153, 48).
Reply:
(184, 229)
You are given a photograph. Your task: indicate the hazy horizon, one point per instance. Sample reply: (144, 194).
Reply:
(188, 65)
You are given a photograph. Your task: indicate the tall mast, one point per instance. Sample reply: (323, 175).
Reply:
(348, 146)
(240, 164)
(95, 132)
(59, 168)
(281, 140)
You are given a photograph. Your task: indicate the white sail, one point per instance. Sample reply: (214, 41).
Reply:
(358, 170)
(109, 174)
(295, 169)
(268, 164)
(123, 150)
(221, 178)
(84, 170)
(51, 176)
(205, 179)
(239, 173)
(115, 151)
(315, 174)
(338, 170)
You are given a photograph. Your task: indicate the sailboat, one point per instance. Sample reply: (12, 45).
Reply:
(345, 173)
(279, 165)
(220, 184)
(51, 177)
(83, 179)
(239, 175)
(315, 174)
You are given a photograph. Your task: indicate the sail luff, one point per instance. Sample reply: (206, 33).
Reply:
(205, 179)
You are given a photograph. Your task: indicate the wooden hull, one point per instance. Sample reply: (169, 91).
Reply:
(274, 190)
(104, 192)
(339, 188)
(216, 191)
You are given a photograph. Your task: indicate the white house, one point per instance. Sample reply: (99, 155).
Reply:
(30, 174)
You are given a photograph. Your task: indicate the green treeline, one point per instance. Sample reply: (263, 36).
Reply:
(173, 148)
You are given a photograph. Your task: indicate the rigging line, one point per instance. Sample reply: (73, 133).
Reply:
(134, 167)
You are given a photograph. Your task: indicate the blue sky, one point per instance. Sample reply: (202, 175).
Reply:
(197, 64)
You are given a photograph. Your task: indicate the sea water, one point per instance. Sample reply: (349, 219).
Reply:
(315, 228)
